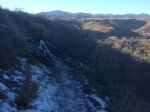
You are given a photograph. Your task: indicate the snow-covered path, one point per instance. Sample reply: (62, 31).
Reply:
(58, 91)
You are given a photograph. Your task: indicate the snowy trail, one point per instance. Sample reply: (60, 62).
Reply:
(67, 93)
(58, 91)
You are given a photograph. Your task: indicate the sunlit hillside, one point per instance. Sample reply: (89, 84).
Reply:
(118, 27)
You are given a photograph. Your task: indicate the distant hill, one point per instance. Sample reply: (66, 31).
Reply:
(63, 14)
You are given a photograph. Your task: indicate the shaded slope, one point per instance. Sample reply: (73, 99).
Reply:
(113, 27)
(131, 24)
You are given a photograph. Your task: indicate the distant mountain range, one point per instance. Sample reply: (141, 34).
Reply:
(63, 14)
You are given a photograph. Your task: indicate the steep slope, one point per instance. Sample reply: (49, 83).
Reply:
(26, 85)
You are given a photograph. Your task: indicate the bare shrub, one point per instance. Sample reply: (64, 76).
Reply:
(27, 92)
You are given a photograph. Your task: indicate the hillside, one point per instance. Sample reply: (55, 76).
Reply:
(103, 28)
(119, 27)
(85, 74)
(27, 84)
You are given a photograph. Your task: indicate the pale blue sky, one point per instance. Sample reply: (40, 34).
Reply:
(87, 6)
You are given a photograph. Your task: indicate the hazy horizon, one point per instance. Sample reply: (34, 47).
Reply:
(85, 6)
(91, 13)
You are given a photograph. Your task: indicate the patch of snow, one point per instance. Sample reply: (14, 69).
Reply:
(5, 71)
(46, 100)
(37, 70)
(11, 95)
(3, 87)
(17, 79)
(23, 62)
(17, 72)
(86, 82)
(93, 89)
(22, 59)
(6, 77)
(100, 101)
(107, 98)
(3, 25)
(84, 66)
(6, 107)
(68, 59)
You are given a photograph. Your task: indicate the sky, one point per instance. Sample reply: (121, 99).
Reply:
(86, 6)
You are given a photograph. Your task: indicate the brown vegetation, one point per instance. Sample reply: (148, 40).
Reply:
(15, 28)
(27, 92)
(137, 47)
